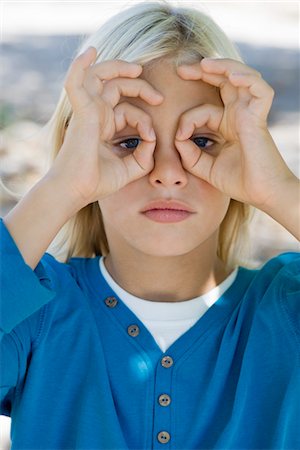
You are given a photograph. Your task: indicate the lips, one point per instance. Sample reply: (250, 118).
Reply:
(167, 205)
(167, 211)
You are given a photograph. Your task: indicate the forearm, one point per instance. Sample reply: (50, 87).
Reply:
(37, 218)
(284, 207)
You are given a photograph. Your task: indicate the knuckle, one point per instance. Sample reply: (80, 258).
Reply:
(123, 107)
(77, 62)
(111, 84)
(184, 119)
(147, 120)
(68, 84)
(121, 62)
(271, 90)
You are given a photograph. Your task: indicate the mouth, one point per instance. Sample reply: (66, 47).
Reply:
(167, 212)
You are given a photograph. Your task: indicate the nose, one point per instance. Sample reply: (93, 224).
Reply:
(168, 170)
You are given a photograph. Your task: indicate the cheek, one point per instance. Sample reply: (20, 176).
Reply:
(212, 204)
(110, 208)
(208, 195)
(115, 207)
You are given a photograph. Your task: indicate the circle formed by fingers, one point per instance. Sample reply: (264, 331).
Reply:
(209, 115)
(128, 114)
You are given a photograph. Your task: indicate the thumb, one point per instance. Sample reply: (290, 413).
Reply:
(195, 160)
(88, 56)
(141, 161)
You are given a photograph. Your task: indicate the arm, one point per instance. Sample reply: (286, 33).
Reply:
(24, 292)
(79, 177)
(284, 206)
(35, 221)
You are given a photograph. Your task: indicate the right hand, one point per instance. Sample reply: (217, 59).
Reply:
(86, 163)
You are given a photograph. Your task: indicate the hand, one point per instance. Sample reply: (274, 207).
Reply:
(86, 161)
(244, 163)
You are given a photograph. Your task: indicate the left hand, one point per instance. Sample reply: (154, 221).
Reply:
(246, 165)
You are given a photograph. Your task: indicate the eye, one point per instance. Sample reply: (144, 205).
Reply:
(129, 144)
(202, 141)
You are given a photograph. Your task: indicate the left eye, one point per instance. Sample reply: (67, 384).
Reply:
(129, 144)
(202, 141)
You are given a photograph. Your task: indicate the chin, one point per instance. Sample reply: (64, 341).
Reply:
(166, 247)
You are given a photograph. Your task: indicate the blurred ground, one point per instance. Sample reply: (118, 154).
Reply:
(38, 41)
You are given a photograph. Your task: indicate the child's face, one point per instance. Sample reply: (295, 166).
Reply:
(126, 227)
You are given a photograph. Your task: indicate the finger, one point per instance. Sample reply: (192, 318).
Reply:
(204, 115)
(216, 66)
(195, 72)
(140, 161)
(262, 93)
(228, 87)
(190, 71)
(195, 160)
(82, 68)
(75, 76)
(114, 89)
(102, 73)
(225, 66)
(127, 114)
(244, 95)
(107, 70)
(213, 74)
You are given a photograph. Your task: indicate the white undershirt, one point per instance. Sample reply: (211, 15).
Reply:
(167, 321)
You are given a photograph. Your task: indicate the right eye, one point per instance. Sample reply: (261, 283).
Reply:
(129, 144)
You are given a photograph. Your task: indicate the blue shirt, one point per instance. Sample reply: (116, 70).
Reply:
(79, 371)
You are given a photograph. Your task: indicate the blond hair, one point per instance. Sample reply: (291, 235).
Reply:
(144, 33)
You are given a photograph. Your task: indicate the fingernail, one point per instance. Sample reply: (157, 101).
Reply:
(152, 134)
(89, 49)
(179, 134)
(159, 95)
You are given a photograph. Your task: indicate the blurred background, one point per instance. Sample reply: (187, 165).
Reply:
(38, 43)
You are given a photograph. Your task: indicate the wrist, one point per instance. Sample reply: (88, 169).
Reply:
(284, 204)
(67, 199)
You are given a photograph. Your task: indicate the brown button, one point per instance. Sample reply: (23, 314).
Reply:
(164, 400)
(167, 361)
(111, 302)
(133, 330)
(163, 437)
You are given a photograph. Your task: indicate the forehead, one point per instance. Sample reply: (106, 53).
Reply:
(179, 95)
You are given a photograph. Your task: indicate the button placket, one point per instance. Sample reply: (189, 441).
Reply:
(163, 408)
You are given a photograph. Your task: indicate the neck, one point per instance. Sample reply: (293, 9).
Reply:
(167, 278)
